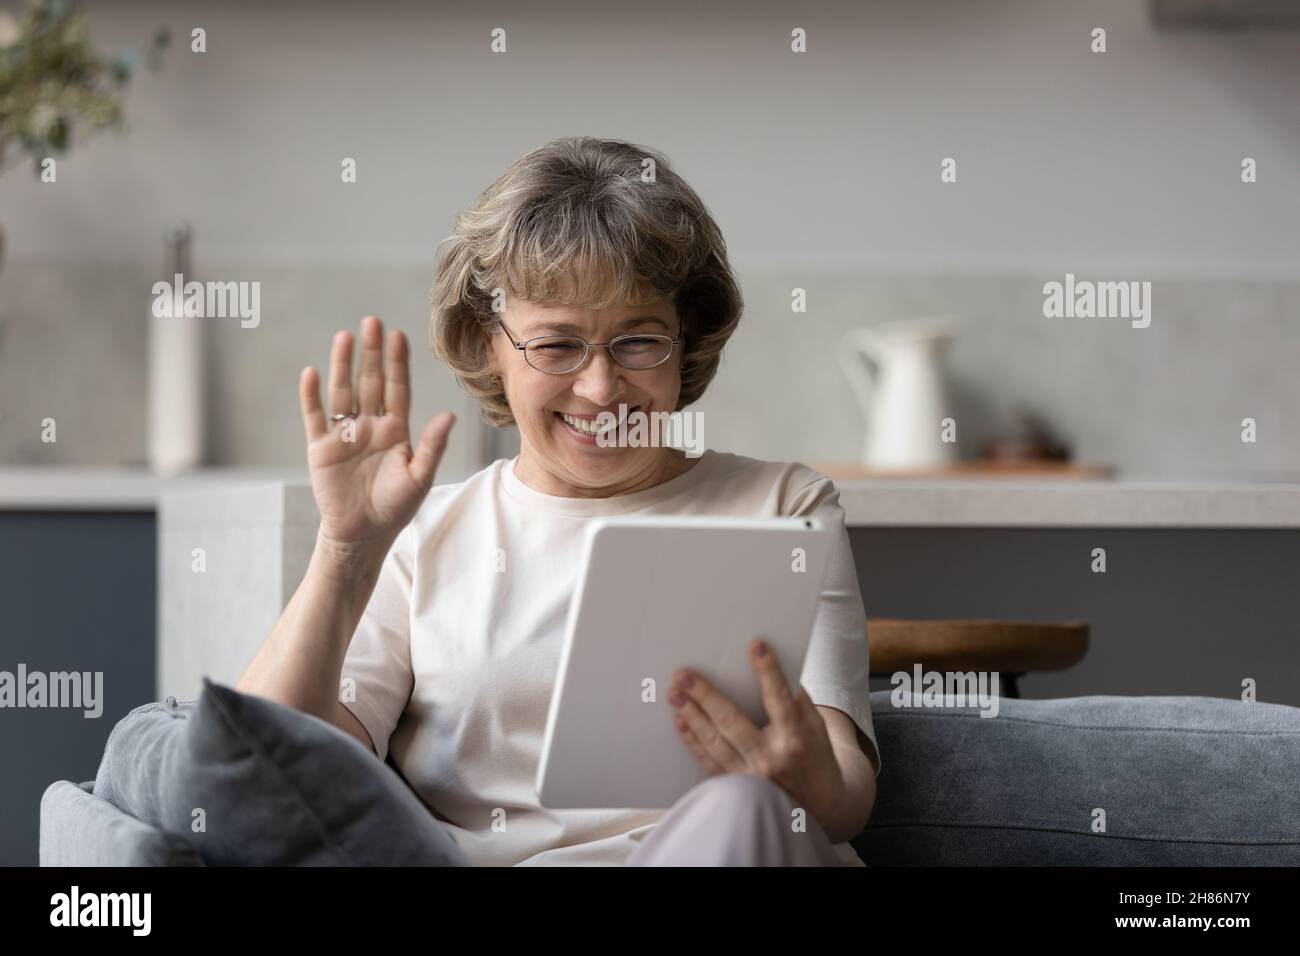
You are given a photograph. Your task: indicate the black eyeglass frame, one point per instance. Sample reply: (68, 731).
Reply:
(673, 341)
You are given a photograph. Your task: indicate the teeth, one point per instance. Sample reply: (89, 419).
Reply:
(586, 426)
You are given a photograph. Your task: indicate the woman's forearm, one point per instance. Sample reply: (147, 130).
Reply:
(301, 661)
(851, 816)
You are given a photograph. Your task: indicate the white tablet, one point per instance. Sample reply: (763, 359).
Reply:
(656, 594)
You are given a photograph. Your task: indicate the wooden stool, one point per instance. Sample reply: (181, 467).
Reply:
(1012, 648)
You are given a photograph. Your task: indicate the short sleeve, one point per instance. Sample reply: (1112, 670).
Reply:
(837, 669)
(377, 680)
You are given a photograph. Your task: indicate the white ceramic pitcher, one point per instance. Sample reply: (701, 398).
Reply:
(895, 370)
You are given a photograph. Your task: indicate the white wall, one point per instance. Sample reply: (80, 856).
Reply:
(822, 170)
(1126, 161)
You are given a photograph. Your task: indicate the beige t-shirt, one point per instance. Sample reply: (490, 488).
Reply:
(456, 654)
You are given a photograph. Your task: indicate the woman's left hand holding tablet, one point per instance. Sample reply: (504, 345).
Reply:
(793, 749)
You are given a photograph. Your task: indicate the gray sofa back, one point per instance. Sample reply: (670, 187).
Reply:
(1076, 781)
(1087, 781)
(79, 829)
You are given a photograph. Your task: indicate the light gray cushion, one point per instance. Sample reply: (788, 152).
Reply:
(275, 786)
(1183, 781)
(79, 829)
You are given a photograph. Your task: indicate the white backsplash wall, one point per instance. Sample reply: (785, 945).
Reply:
(73, 348)
(1165, 401)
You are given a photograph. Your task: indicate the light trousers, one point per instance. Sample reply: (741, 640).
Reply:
(737, 819)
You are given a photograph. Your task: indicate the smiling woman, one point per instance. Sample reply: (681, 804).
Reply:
(592, 239)
(588, 223)
(588, 281)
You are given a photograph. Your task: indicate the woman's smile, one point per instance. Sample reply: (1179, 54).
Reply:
(584, 427)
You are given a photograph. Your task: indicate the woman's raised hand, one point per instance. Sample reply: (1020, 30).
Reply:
(367, 481)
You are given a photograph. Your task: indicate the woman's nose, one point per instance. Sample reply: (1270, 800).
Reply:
(600, 381)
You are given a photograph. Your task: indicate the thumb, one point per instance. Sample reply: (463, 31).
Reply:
(433, 442)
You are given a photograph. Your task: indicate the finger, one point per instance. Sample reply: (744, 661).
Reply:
(370, 378)
(397, 377)
(707, 763)
(778, 700)
(805, 707)
(341, 375)
(313, 416)
(714, 745)
(725, 716)
(424, 463)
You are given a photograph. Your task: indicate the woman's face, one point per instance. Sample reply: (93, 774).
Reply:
(553, 457)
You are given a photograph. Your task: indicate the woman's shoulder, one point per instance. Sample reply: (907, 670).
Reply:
(791, 486)
(789, 473)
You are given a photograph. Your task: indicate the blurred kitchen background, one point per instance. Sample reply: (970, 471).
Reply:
(821, 168)
(823, 171)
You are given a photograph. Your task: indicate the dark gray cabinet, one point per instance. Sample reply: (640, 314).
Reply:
(77, 593)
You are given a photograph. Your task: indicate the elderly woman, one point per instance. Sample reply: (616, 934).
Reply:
(588, 278)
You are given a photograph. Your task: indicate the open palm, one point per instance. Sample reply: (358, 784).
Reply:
(367, 480)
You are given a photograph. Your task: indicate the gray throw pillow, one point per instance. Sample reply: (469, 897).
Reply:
(252, 782)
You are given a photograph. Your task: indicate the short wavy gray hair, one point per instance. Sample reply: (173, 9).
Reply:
(580, 220)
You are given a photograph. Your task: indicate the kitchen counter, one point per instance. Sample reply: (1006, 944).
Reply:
(117, 489)
(866, 502)
(1069, 504)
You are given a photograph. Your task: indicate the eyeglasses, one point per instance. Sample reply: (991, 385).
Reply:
(561, 354)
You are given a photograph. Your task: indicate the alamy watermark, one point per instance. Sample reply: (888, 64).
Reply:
(946, 689)
(208, 300)
(638, 429)
(75, 908)
(1101, 300)
(57, 689)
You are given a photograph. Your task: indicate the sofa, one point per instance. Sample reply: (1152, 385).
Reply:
(1086, 781)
